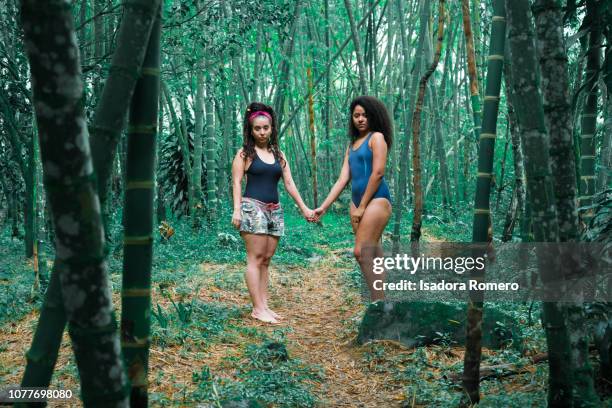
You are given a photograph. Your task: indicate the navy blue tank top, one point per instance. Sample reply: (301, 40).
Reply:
(360, 163)
(262, 180)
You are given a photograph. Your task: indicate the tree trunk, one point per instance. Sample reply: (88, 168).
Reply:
(438, 142)
(161, 206)
(183, 142)
(25, 167)
(69, 180)
(111, 109)
(482, 211)
(328, 168)
(98, 40)
(138, 237)
(108, 122)
(211, 159)
(228, 143)
(467, 145)
(82, 32)
(472, 71)
(517, 154)
(408, 107)
(363, 84)
(283, 68)
(415, 234)
(555, 91)
(500, 183)
(532, 127)
(604, 178)
(588, 118)
(257, 66)
(196, 179)
(313, 142)
(29, 215)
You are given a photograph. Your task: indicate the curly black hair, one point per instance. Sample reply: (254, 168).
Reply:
(248, 144)
(378, 118)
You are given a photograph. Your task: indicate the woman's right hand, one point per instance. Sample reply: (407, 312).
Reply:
(236, 219)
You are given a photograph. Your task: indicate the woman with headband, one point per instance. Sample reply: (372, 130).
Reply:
(257, 213)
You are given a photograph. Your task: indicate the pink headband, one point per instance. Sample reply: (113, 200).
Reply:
(259, 113)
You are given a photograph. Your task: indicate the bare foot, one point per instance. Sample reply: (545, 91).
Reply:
(273, 313)
(264, 317)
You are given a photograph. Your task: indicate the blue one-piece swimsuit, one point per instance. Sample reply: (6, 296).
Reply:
(360, 163)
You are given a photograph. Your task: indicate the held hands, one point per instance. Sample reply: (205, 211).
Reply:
(308, 214)
(318, 213)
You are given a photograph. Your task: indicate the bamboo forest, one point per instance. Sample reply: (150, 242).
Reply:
(150, 259)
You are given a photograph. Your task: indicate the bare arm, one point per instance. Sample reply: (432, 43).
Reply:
(379, 161)
(238, 166)
(291, 188)
(343, 179)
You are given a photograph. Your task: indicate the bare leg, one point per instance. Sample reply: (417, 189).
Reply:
(367, 241)
(265, 275)
(256, 252)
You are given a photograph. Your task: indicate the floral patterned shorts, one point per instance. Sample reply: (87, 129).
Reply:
(257, 217)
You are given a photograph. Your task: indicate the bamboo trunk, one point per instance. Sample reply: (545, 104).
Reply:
(604, 178)
(532, 127)
(415, 234)
(472, 70)
(211, 157)
(196, 179)
(588, 120)
(482, 211)
(160, 196)
(183, 143)
(363, 83)
(408, 106)
(283, 69)
(313, 143)
(69, 180)
(555, 91)
(517, 153)
(112, 107)
(138, 238)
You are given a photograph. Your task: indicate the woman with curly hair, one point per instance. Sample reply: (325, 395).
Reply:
(371, 131)
(257, 213)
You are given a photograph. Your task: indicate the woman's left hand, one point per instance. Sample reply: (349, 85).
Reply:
(356, 214)
(308, 214)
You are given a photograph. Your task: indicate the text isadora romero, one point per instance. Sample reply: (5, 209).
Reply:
(472, 284)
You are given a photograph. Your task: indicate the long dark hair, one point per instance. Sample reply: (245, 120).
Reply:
(248, 141)
(378, 118)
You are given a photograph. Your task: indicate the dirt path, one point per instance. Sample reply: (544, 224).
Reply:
(321, 316)
(324, 318)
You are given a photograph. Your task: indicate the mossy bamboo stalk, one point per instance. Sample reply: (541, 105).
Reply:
(69, 181)
(482, 208)
(138, 237)
(540, 194)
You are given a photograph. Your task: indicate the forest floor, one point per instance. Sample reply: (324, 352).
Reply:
(320, 323)
(205, 348)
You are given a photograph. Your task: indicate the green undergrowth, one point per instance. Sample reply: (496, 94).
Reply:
(265, 373)
(258, 366)
(17, 296)
(430, 376)
(429, 384)
(193, 324)
(177, 258)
